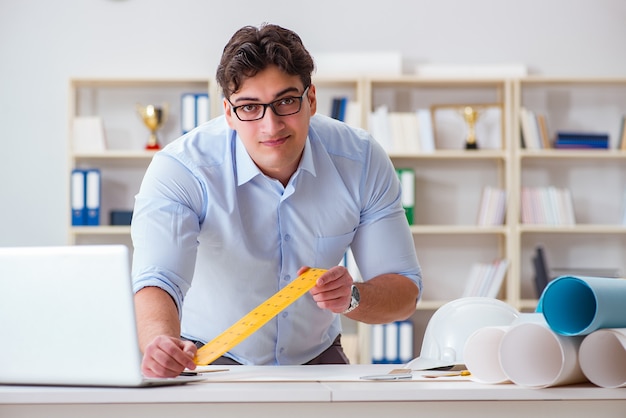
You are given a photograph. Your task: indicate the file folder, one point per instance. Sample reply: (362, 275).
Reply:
(92, 196)
(187, 112)
(194, 110)
(202, 108)
(77, 197)
(407, 182)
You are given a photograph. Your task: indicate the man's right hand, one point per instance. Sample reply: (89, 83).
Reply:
(168, 357)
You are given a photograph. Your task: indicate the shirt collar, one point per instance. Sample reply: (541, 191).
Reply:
(247, 169)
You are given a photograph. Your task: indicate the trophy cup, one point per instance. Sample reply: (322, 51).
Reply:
(153, 117)
(470, 114)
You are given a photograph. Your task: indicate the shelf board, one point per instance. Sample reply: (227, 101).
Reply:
(430, 305)
(573, 229)
(458, 229)
(572, 154)
(528, 305)
(115, 154)
(489, 154)
(101, 230)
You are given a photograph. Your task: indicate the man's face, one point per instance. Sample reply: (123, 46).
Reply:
(275, 143)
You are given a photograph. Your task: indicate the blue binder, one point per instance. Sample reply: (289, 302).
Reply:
(77, 197)
(195, 110)
(92, 196)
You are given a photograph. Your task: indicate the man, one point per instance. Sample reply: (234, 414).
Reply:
(233, 211)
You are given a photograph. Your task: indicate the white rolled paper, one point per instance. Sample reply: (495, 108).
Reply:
(532, 355)
(481, 355)
(602, 357)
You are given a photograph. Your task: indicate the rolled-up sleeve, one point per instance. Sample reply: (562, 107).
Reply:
(165, 227)
(383, 242)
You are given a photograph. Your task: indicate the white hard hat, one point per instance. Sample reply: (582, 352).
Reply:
(452, 324)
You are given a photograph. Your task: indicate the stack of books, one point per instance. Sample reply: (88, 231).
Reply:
(492, 207)
(580, 140)
(547, 205)
(485, 279)
(403, 132)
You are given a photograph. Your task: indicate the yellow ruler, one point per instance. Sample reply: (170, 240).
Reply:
(257, 317)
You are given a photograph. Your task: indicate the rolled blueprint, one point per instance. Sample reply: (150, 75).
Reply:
(602, 357)
(481, 355)
(482, 350)
(533, 355)
(581, 305)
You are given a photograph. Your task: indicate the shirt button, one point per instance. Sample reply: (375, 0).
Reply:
(287, 278)
(282, 349)
(287, 237)
(285, 314)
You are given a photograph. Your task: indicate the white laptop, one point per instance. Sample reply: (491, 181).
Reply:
(67, 318)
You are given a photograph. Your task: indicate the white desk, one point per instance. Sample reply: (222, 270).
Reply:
(311, 391)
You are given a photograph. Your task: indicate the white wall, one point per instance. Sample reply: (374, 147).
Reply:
(43, 43)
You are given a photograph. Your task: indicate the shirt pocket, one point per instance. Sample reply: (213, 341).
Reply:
(330, 250)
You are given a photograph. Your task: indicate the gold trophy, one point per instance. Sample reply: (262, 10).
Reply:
(470, 114)
(153, 117)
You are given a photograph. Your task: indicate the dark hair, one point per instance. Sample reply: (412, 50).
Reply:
(251, 50)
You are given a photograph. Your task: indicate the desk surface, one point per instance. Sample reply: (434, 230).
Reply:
(310, 390)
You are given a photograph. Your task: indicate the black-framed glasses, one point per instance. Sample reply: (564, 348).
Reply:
(281, 107)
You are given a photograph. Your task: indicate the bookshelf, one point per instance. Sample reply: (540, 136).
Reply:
(596, 178)
(449, 179)
(124, 159)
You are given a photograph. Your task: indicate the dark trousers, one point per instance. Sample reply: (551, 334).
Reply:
(332, 355)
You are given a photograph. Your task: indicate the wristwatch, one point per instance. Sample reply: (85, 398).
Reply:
(354, 300)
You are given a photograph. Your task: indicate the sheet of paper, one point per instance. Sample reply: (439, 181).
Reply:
(321, 373)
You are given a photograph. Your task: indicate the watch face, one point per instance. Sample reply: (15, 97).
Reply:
(354, 300)
(356, 296)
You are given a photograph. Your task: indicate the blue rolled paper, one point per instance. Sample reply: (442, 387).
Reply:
(581, 305)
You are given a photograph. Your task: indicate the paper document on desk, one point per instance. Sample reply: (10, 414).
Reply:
(318, 373)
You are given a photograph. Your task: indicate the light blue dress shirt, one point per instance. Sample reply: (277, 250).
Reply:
(221, 237)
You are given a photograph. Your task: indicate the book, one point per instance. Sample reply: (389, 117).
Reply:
(492, 206)
(621, 139)
(530, 129)
(379, 127)
(544, 136)
(581, 140)
(426, 133)
(410, 130)
(88, 134)
(407, 183)
(398, 137)
(547, 205)
(542, 275)
(334, 108)
(353, 114)
(485, 279)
